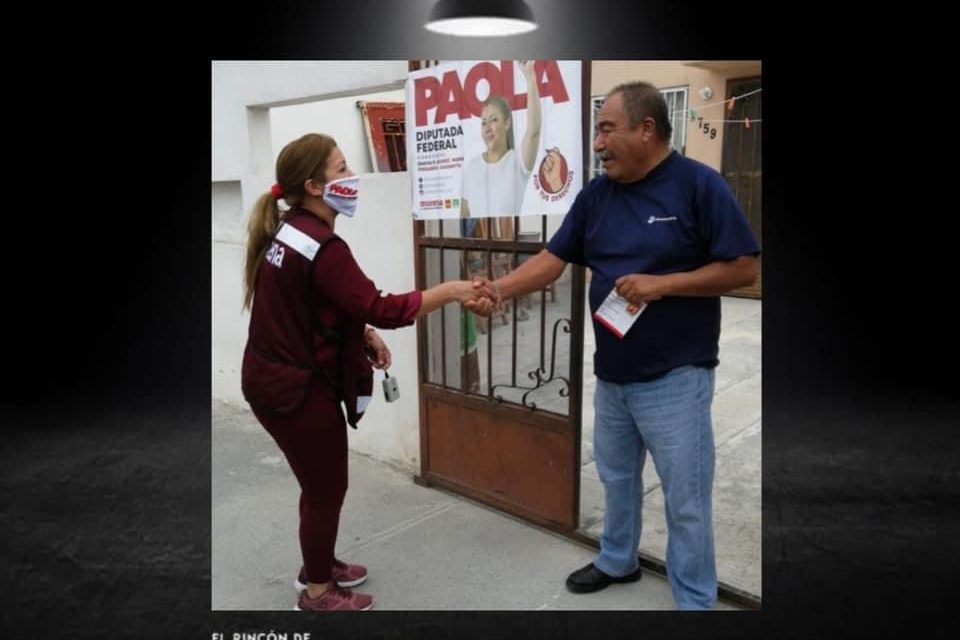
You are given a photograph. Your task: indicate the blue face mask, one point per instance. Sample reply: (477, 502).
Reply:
(341, 195)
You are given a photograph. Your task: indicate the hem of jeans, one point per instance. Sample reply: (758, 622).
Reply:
(612, 574)
(697, 607)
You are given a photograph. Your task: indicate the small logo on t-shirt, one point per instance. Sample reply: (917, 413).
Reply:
(653, 219)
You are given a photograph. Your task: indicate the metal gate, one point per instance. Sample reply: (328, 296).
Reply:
(500, 398)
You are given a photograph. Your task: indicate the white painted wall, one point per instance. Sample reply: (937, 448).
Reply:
(338, 117)
(242, 85)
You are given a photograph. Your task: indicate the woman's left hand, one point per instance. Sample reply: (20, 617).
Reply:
(381, 353)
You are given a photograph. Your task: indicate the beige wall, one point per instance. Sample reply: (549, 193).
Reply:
(694, 75)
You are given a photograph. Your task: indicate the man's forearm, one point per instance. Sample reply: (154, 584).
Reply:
(532, 275)
(714, 279)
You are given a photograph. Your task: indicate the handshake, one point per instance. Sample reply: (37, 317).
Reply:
(481, 296)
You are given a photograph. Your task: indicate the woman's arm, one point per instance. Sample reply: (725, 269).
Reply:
(445, 293)
(531, 137)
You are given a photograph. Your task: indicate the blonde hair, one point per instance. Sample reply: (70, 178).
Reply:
(304, 158)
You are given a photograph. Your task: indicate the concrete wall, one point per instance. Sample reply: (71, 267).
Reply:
(694, 75)
(243, 86)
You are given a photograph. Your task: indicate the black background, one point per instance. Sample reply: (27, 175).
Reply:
(105, 471)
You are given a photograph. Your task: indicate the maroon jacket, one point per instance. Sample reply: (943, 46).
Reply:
(310, 307)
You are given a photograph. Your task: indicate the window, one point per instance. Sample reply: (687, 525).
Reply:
(676, 99)
(677, 108)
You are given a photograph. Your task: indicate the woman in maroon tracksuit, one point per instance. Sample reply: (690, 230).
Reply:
(310, 347)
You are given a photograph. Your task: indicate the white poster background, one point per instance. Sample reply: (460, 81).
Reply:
(440, 143)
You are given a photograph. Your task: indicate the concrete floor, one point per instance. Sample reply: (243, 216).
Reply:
(425, 549)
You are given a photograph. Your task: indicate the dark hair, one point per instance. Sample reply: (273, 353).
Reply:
(643, 100)
(304, 158)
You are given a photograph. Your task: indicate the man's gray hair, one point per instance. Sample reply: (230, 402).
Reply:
(643, 100)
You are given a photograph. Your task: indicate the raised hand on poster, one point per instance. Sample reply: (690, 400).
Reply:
(531, 137)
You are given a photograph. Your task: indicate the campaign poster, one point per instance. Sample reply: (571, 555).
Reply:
(494, 138)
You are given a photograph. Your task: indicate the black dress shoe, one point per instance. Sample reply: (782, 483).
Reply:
(589, 579)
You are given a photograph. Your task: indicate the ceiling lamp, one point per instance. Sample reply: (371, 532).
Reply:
(481, 18)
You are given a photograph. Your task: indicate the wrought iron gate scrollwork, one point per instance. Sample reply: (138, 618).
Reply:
(537, 374)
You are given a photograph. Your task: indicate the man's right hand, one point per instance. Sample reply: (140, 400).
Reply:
(488, 300)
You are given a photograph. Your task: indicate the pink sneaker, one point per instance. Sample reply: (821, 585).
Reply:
(335, 599)
(346, 575)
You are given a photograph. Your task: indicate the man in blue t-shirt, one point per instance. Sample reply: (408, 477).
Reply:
(666, 234)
